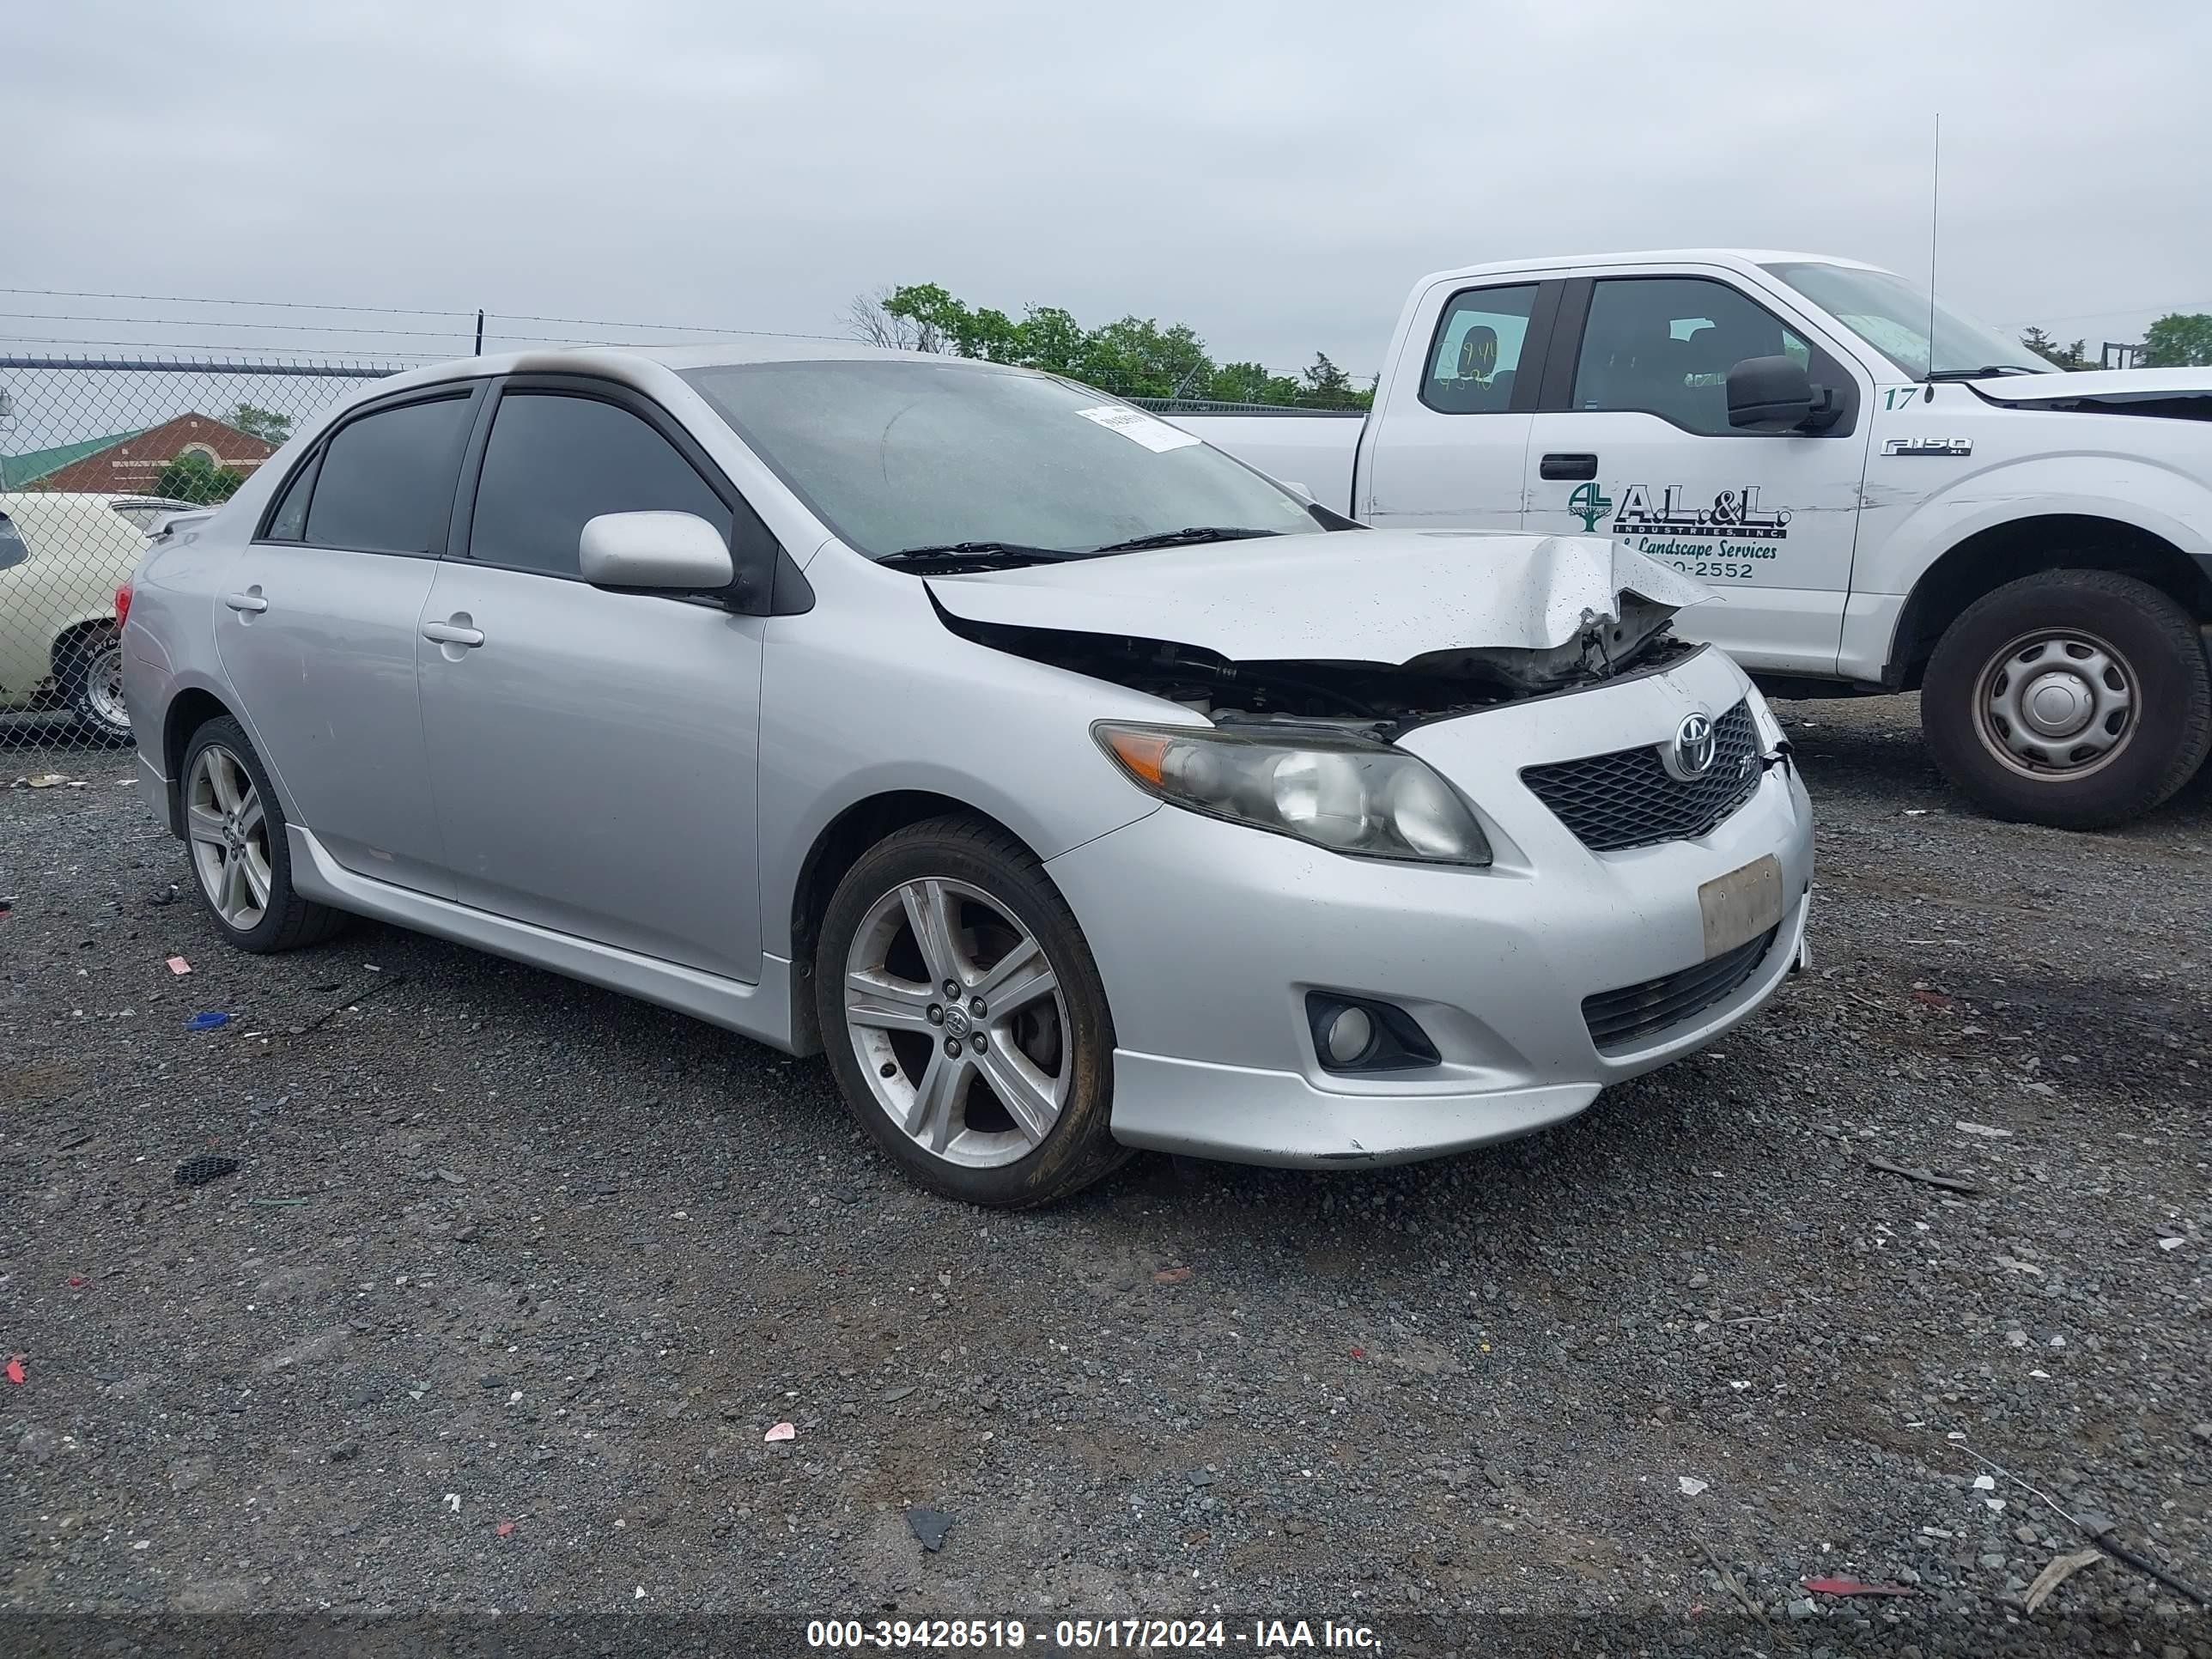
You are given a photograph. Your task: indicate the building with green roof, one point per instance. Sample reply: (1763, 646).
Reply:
(23, 471)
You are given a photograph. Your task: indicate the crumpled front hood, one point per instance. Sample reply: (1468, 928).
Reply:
(1378, 595)
(2112, 383)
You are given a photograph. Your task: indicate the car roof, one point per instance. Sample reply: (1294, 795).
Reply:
(777, 349)
(760, 349)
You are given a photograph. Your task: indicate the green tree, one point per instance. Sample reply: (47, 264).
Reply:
(940, 323)
(935, 318)
(868, 318)
(266, 424)
(1134, 356)
(2180, 339)
(1328, 386)
(1052, 340)
(2066, 356)
(1138, 358)
(992, 334)
(1251, 383)
(193, 477)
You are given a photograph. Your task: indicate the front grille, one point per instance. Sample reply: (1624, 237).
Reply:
(1628, 798)
(1619, 1019)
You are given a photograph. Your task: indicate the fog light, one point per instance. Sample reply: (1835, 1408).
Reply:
(1349, 1036)
(1365, 1034)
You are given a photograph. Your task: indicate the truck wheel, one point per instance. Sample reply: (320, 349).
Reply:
(2075, 698)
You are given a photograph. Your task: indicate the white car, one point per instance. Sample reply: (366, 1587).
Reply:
(61, 557)
(2030, 550)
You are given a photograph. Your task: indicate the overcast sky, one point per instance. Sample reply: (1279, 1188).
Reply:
(1275, 175)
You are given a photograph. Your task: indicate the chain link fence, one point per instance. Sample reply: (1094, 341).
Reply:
(96, 456)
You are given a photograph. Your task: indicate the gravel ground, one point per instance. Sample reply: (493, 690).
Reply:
(517, 1275)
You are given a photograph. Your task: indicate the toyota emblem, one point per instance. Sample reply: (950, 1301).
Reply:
(1694, 748)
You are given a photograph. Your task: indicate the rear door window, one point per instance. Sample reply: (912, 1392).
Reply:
(386, 484)
(555, 461)
(12, 549)
(1475, 361)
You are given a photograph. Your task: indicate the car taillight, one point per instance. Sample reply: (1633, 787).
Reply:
(123, 605)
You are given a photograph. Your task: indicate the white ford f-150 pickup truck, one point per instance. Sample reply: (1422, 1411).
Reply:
(2032, 549)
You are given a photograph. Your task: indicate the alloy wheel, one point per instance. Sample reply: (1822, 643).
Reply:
(228, 832)
(958, 1021)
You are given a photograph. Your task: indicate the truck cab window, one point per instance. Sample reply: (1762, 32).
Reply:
(1476, 359)
(1664, 345)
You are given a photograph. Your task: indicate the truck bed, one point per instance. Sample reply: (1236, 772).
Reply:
(1311, 449)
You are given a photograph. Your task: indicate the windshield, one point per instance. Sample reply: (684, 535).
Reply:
(894, 455)
(1891, 315)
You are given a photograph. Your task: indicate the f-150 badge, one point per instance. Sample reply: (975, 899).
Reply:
(1928, 446)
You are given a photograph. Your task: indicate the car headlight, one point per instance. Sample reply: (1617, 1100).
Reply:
(1346, 794)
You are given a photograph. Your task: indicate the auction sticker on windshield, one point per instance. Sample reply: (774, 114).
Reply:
(1139, 427)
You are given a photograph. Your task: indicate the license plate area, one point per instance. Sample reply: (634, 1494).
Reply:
(1740, 906)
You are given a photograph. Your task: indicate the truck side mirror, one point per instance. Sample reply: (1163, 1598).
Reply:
(1772, 394)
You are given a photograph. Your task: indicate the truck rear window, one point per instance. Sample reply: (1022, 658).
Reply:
(1475, 358)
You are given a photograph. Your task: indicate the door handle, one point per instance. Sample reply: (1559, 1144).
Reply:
(1566, 468)
(249, 600)
(455, 632)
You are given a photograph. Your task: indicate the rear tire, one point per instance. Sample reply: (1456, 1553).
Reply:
(1001, 1092)
(241, 859)
(2079, 699)
(89, 666)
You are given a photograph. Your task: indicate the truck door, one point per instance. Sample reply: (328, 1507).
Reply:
(1451, 446)
(1631, 440)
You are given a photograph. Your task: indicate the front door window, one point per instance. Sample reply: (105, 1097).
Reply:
(1663, 346)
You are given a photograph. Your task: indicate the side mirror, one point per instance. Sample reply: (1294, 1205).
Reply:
(678, 552)
(1297, 489)
(1770, 394)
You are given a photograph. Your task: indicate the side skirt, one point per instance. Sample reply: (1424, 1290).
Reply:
(761, 1012)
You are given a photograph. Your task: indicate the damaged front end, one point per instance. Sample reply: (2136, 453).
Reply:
(1308, 666)
(1565, 614)
(1382, 699)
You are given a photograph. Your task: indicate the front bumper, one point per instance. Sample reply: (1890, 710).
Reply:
(1209, 935)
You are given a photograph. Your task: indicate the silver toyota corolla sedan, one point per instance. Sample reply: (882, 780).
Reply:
(1075, 788)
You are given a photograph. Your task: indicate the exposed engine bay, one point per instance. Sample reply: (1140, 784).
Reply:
(1381, 699)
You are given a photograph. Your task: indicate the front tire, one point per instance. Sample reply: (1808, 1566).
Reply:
(964, 1018)
(2075, 698)
(241, 859)
(91, 669)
